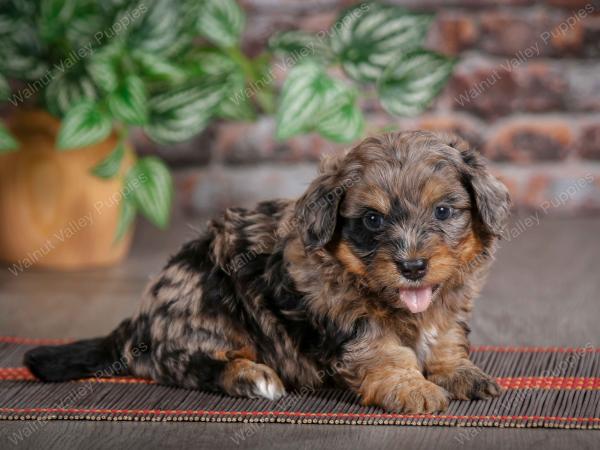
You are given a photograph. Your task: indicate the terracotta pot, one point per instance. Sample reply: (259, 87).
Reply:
(53, 212)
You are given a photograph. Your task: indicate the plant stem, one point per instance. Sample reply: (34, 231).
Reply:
(264, 96)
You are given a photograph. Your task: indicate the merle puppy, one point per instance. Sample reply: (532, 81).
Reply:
(369, 278)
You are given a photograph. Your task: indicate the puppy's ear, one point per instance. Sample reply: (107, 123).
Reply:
(317, 210)
(491, 197)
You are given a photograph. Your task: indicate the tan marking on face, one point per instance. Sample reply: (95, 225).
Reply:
(352, 263)
(384, 271)
(372, 197)
(471, 247)
(442, 264)
(433, 191)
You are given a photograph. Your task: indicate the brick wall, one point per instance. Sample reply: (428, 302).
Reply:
(526, 92)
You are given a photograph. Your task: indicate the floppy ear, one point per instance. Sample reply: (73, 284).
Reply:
(317, 210)
(492, 200)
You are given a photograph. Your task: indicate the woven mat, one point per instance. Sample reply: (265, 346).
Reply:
(545, 387)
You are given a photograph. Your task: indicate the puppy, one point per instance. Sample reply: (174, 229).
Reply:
(365, 282)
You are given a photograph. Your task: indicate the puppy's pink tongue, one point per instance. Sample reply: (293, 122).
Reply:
(417, 300)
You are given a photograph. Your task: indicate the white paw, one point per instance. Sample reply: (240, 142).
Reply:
(269, 389)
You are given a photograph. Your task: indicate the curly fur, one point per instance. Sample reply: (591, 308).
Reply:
(296, 294)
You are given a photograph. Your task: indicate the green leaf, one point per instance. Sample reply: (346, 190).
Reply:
(54, 16)
(209, 62)
(22, 54)
(152, 189)
(301, 98)
(102, 67)
(7, 142)
(157, 67)
(4, 88)
(300, 44)
(408, 86)
(109, 166)
(340, 120)
(63, 93)
(83, 27)
(180, 113)
(236, 105)
(370, 36)
(129, 102)
(126, 217)
(85, 124)
(221, 22)
(158, 29)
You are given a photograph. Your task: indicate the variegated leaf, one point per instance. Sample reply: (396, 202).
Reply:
(340, 119)
(300, 44)
(221, 22)
(210, 62)
(128, 103)
(180, 113)
(301, 98)
(102, 67)
(127, 213)
(159, 28)
(63, 93)
(409, 85)
(109, 166)
(370, 36)
(85, 124)
(152, 189)
(21, 53)
(157, 67)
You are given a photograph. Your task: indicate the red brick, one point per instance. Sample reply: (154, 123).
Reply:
(541, 88)
(589, 141)
(453, 33)
(584, 86)
(568, 4)
(465, 127)
(534, 192)
(252, 143)
(439, 4)
(507, 33)
(530, 140)
(488, 91)
(552, 190)
(532, 34)
(315, 23)
(591, 36)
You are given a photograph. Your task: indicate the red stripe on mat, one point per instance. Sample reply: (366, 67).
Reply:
(563, 383)
(176, 412)
(33, 341)
(23, 374)
(479, 348)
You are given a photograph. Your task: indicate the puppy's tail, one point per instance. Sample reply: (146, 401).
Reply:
(79, 359)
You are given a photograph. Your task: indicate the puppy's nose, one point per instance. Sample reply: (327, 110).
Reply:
(413, 269)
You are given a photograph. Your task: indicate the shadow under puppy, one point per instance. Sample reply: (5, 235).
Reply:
(366, 282)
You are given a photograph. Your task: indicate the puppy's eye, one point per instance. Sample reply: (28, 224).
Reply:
(443, 212)
(373, 221)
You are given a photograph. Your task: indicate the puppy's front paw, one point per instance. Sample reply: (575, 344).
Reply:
(414, 395)
(467, 383)
(421, 396)
(248, 379)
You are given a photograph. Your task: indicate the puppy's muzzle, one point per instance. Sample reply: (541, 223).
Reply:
(413, 269)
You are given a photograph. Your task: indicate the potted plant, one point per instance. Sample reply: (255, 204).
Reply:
(80, 74)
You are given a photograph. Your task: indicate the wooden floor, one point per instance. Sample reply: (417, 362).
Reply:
(544, 290)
